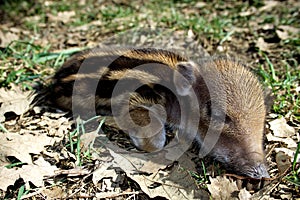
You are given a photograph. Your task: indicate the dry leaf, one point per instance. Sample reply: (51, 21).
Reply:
(221, 188)
(281, 129)
(286, 196)
(104, 172)
(14, 100)
(200, 5)
(248, 12)
(282, 34)
(64, 16)
(54, 192)
(139, 160)
(186, 185)
(175, 184)
(298, 89)
(282, 192)
(146, 170)
(283, 162)
(262, 45)
(107, 179)
(268, 5)
(7, 38)
(268, 27)
(289, 152)
(21, 146)
(244, 194)
(288, 141)
(32, 173)
(286, 32)
(290, 29)
(33, 19)
(54, 124)
(88, 139)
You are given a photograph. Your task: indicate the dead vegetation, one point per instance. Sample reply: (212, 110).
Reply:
(45, 154)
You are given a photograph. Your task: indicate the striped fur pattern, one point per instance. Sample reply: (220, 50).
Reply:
(223, 87)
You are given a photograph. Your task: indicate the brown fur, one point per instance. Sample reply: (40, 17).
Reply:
(222, 82)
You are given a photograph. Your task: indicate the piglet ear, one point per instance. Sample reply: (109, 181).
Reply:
(184, 77)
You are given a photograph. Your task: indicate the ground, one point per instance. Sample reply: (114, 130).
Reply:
(45, 154)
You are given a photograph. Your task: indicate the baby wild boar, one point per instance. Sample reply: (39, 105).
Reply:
(159, 87)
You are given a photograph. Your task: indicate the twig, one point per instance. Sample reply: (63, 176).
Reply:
(120, 194)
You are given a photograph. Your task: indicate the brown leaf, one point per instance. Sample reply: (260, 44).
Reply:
(289, 152)
(174, 184)
(281, 129)
(248, 12)
(262, 45)
(32, 173)
(288, 141)
(55, 192)
(64, 16)
(283, 162)
(7, 38)
(21, 146)
(244, 194)
(268, 5)
(14, 100)
(149, 168)
(285, 32)
(290, 29)
(104, 172)
(88, 139)
(222, 188)
(282, 34)
(200, 4)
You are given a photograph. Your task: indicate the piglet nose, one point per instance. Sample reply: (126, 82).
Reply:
(260, 171)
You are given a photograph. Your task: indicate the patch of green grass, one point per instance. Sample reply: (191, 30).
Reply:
(61, 6)
(256, 3)
(171, 15)
(109, 14)
(14, 165)
(293, 41)
(284, 86)
(202, 177)
(75, 141)
(113, 12)
(16, 65)
(84, 19)
(21, 192)
(20, 8)
(199, 178)
(2, 128)
(294, 176)
(26, 64)
(33, 24)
